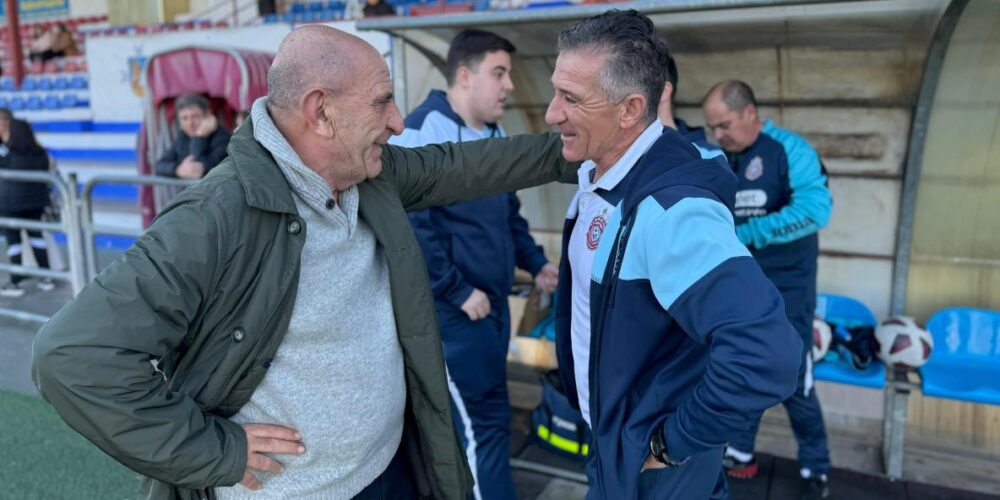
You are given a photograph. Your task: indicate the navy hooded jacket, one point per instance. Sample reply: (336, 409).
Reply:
(468, 245)
(688, 337)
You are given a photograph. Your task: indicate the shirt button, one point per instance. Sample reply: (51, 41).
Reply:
(330, 204)
(294, 227)
(239, 335)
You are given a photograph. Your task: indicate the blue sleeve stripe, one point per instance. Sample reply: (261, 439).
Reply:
(430, 129)
(676, 247)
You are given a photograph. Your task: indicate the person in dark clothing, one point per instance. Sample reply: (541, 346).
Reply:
(782, 202)
(378, 8)
(22, 200)
(201, 142)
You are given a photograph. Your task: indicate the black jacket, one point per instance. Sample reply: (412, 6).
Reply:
(18, 196)
(209, 150)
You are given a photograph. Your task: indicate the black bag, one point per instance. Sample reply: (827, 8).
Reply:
(556, 424)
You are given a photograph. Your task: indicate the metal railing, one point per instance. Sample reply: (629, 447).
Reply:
(69, 224)
(90, 230)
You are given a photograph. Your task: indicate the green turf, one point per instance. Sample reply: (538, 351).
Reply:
(42, 458)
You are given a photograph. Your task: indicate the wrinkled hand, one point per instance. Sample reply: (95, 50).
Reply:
(190, 169)
(547, 278)
(208, 126)
(266, 438)
(652, 464)
(477, 306)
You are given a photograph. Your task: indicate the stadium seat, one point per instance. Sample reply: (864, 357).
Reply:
(849, 313)
(78, 82)
(69, 101)
(270, 18)
(288, 17)
(51, 102)
(29, 84)
(965, 362)
(317, 7)
(60, 83)
(7, 83)
(33, 103)
(44, 83)
(16, 104)
(298, 8)
(3, 102)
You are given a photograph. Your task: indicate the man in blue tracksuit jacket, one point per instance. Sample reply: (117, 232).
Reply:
(471, 249)
(782, 202)
(668, 334)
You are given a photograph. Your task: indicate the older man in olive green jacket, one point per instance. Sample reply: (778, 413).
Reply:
(155, 360)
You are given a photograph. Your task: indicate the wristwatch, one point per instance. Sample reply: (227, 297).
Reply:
(658, 449)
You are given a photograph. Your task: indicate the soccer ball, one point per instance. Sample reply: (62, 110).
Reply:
(822, 337)
(902, 343)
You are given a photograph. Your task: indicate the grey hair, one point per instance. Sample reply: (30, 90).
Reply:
(637, 57)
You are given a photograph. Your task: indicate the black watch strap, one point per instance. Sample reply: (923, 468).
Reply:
(658, 449)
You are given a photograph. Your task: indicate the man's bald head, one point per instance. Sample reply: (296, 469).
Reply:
(316, 56)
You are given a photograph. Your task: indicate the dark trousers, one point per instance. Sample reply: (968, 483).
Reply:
(15, 248)
(803, 407)
(395, 483)
(476, 355)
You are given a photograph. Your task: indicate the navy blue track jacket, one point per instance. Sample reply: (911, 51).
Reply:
(474, 244)
(688, 337)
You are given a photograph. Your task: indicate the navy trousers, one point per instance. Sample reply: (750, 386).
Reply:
(476, 355)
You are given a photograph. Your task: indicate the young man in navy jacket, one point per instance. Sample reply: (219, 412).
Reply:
(782, 203)
(669, 336)
(471, 250)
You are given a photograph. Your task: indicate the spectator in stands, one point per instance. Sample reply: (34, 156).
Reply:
(201, 141)
(275, 325)
(377, 8)
(22, 200)
(782, 203)
(668, 335)
(471, 250)
(65, 44)
(42, 46)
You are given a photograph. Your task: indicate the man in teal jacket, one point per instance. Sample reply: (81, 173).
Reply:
(275, 326)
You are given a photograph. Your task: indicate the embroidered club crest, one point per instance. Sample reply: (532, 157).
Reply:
(755, 169)
(596, 230)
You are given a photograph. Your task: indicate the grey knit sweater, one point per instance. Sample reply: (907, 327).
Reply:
(338, 375)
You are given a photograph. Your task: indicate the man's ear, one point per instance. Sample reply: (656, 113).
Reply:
(462, 77)
(318, 112)
(668, 92)
(633, 109)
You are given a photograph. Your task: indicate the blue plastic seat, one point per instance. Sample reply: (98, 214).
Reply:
(3, 102)
(316, 7)
(60, 83)
(335, 5)
(33, 103)
(78, 82)
(847, 312)
(69, 101)
(298, 8)
(29, 84)
(288, 17)
(51, 102)
(7, 83)
(44, 83)
(16, 104)
(965, 362)
(270, 18)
